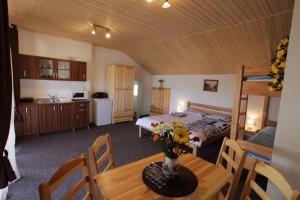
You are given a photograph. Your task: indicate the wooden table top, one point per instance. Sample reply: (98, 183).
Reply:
(126, 182)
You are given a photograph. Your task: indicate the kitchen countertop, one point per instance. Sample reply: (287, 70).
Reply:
(58, 102)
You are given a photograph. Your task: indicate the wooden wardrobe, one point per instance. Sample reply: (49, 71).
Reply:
(120, 80)
(160, 101)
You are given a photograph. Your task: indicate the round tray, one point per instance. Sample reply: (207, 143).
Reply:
(182, 185)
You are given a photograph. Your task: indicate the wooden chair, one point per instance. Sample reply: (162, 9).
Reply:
(272, 175)
(67, 169)
(235, 159)
(94, 163)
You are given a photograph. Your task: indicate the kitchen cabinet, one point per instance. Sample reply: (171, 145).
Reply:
(27, 67)
(28, 120)
(66, 116)
(78, 71)
(82, 114)
(48, 118)
(44, 68)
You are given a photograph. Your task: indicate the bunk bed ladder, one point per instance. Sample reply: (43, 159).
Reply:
(239, 114)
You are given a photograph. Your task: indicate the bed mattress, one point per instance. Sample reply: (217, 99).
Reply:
(201, 124)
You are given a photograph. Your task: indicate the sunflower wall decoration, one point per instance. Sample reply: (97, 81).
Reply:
(279, 65)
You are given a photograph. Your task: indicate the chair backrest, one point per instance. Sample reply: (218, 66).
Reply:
(235, 158)
(107, 155)
(65, 171)
(94, 163)
(272, 175)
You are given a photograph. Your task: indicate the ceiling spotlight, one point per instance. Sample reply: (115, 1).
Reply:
(166, 4)
(107, 34)
(93, 32)
(149, 1)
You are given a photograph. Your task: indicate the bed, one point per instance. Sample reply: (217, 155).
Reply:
(209, 123)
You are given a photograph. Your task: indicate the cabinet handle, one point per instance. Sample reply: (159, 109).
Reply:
(24, 73)
(54, 108)
(60, 108)
(26, 110)
(77, 116)
(83, 76)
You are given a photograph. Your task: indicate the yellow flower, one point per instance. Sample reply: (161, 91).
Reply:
(285, 41)
(271, 89)
(280, 53)
(177, 123)
(274, 80)
(283, 65)
(181, 135)
(275, 69)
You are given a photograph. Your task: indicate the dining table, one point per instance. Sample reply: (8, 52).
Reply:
(125, 182)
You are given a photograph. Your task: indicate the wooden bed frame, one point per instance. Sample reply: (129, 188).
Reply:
(191, 106)
(244, 88)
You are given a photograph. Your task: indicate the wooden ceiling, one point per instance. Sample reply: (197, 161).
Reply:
(191, 37)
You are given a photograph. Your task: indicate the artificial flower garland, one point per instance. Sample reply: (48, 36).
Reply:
(279, 65)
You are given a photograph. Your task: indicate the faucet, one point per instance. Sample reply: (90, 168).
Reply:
(52, 98)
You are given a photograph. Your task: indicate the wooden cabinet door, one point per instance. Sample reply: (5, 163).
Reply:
(27, 67)
(128, 100)
(82, 114)
(118, 101)
(128, 77)
(78, 71)
(119, 76)
(48, 118)
(30, 125)
(66, 116)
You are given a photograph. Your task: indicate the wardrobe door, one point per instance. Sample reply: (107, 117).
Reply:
(119, 78)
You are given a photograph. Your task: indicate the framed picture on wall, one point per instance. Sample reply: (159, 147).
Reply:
(210, 85)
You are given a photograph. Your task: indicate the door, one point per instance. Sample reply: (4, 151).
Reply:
(31, 120)
(48, 118)
(78, 70)
(66, 116)
(46, 68)
(63, 70)
(82, 114)
(119, 79)
(27, 67)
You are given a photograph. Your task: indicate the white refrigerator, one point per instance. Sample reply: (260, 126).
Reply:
(103, 111)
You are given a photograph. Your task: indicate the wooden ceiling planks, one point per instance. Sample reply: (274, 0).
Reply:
(191, 37)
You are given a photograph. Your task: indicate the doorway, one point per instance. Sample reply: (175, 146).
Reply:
(137, 99)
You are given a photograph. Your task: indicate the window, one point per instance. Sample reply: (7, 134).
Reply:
(135, 90)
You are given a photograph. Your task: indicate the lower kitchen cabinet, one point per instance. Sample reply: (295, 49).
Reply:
(66, 116)
(82, 114)
(48, 118)
(28, 120)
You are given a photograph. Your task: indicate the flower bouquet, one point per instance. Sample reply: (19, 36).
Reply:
(279, 65)
(174, 138)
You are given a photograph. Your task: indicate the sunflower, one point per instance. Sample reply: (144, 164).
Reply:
(274, 69)
(181, 135)
(283, 65)
(280, 53)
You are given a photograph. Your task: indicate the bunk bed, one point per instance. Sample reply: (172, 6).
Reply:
(209, 123)
(253, 81)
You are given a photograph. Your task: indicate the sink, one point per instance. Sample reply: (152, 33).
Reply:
(47, 100)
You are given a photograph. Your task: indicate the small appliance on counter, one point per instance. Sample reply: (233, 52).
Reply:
(83, 95)
(26, 100)
(100, 95)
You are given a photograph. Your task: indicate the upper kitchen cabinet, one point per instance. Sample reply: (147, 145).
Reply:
(27, 67)
(63, 70)
(35, 67)
(46, 68)
(78, 71)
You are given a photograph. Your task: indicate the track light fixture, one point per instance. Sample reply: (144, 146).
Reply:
(166, 4)
(107, 33)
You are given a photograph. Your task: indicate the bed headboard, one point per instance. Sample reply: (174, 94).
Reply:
(271, 123)
(218, 110)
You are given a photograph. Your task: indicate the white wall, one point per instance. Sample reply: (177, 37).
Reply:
(190, 88)
(104, 56)
(286, 153)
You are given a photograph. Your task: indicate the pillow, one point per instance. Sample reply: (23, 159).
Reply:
(195, 112)
(219, 117)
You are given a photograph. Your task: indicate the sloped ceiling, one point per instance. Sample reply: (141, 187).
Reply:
(191, 37)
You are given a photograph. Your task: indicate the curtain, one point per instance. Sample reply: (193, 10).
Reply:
(6, 172)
